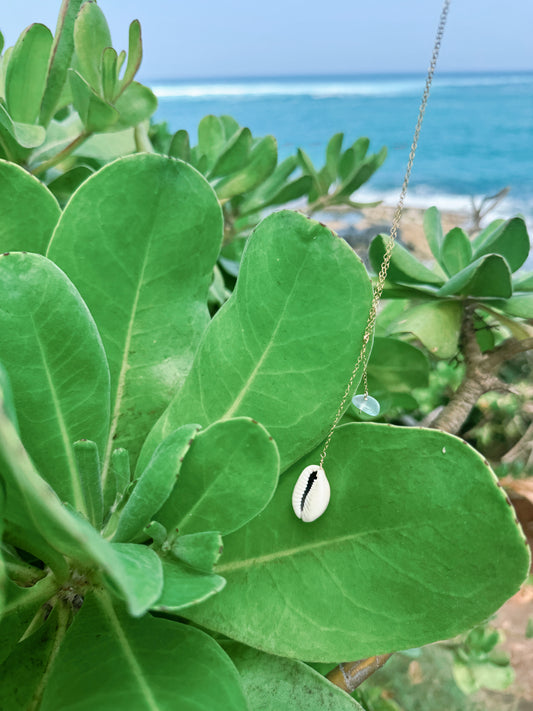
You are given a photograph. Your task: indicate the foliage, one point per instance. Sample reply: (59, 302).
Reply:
(148, 451)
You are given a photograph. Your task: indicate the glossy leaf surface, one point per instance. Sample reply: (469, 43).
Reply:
(294, 324)
(273, 683)
(404, 267)
(184, 586)
(29, 211)
(437, 325)
(401, 557)
(228, 477)
(456, 251)
(488, 276)
(51, 349)
(109, 661)
(433, 231)
(396, 366)
(91, 37)
(155, 483)
(144, 271)
(510, 239)
(26, 73)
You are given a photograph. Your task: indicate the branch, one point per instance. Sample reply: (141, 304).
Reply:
(349, 675)
(509, 349)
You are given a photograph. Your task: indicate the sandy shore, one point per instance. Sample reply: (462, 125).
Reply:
(359, 227)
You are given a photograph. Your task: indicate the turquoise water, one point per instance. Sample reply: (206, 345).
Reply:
(477, 136)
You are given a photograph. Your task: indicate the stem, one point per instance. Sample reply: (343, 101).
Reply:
(480, 374)
(349, 675)
(54, 160)
(23, 574)
(62, 625)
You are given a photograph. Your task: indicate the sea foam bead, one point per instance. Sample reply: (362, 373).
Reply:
(310, 496)
(367, 404)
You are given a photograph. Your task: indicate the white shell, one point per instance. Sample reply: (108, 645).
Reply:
(310, 496)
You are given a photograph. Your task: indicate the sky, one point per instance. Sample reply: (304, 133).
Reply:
(240, 38)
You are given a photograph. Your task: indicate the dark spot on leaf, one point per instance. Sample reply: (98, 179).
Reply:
(255, 422)
(47, 609)
(181, 459)
(221, 548)
(271, 439)
(5, 254)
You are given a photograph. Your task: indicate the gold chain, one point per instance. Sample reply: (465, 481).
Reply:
(378, 289)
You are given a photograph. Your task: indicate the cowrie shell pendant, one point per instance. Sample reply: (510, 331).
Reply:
(310, 496)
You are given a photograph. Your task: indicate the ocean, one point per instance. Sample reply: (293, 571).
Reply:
(477, 136)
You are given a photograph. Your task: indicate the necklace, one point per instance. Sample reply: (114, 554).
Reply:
(311, 493)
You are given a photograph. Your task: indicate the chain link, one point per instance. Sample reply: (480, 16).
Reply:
(380, 282)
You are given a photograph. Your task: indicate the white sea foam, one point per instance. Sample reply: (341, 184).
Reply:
(325, 88)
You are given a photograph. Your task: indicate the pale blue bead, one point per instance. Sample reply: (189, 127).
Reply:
(367, 404)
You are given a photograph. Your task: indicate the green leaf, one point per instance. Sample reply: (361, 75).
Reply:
(21, 609)
(120, 475)
(404, 267)
(361, 174)
(65, 184)
(54, 356)
(23, 672)
(433, 231)
(228, 477)
(135, 105)
(308, 168)
(184, 586)
(91, 37)
(520, 305)
(199, 550)
(487, 233)
(211, 138)
(395, 366)
(96, 113)
(88, 464)
(294, 324)
(436, 325)
(152, 260)
(186, 669)
(25, 134)
(142, 570)
(7, 399)
(109, 73)
(155, 484)
(263, 158)
(523, 281)
(230, 125)
(135, 54)
(266, 192)
(180, 146)
(273, 683)
(60, 59)
(333, 152)
(33, 507)
(26, 73)
(456, 251)
(29, 211)
(234, 154)
(510, 240)
(471, 676)
(402, 552)
(488, 276)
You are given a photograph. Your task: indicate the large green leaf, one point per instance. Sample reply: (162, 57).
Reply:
(488, 276)
(155, 483)
(509, 239)
(29, 211)
(273, 683)
(456, 251)
(26, 73)
(283, 346)
(109, 661)
(227, 478)
(520, 305)
(142, 569)
(402, 557)
(135, 105)
(233, 155)
(523, 281)
(436, 325)
(404, 267)
(58, 370)
(184, 586)
(144, 271)
(211, 138)
(60, 59)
